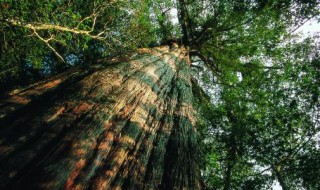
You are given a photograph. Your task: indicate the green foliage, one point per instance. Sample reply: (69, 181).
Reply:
(263, 111)
(266, 120)
(109, 29)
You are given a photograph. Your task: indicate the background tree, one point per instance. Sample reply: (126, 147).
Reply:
(265, 131)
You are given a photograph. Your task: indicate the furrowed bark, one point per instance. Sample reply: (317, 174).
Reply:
(125, 125)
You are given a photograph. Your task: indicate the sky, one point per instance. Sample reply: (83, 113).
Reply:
(309, 28)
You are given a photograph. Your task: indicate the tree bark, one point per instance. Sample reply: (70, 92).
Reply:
(115, 125)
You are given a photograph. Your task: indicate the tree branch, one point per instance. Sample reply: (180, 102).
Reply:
(40, 26)
(46, 41)
(204, 59)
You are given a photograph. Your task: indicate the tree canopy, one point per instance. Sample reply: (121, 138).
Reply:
(256, 84)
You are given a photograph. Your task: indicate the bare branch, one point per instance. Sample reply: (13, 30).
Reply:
(46, 41)
(84, 19)
(303, 22)
(40, 26)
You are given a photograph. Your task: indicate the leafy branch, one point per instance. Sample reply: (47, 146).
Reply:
(36, 27)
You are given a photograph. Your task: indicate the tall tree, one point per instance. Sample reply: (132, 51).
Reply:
(126, 124)
(123, 117)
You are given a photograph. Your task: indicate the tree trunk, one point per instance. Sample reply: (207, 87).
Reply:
(116, 125)
(232, 150)
(281, 181)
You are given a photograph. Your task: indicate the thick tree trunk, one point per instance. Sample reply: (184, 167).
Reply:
(125, 125)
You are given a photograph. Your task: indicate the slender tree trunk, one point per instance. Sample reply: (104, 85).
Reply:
(232, 150)
(125, 125)
(282, 182)
(231, 159)
(184, 21)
